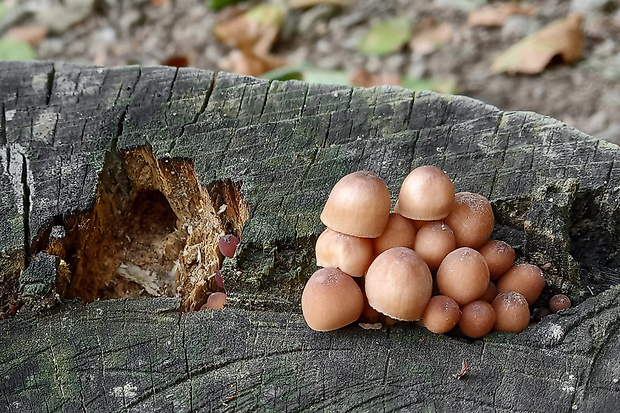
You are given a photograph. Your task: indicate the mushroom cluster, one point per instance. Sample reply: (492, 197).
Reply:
(430, 260)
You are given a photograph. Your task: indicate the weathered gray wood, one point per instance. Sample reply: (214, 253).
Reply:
(554, 192)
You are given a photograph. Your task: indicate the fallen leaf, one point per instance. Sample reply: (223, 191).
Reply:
(177, 61)
(248, 63)
(11, 49)
(31, 34)
(308, 74)
(496, 14)
(436, 85)
(220, 4)
(531, 55)
(254, 31)
(306, 4)
(159, 3)
(361, 77)
(386, 37)
(429, 36)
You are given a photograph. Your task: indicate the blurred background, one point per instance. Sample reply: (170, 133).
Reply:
(558, 58)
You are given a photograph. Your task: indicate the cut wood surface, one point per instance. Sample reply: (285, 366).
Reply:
(76, 142)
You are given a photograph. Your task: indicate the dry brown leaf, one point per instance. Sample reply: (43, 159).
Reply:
(159, 3)
(306, 4)
(177, 61)
(531, 55)
(496, 14)
(361, 77)
(429, 36)
(248, 63)
(254, 31)
(32, 34)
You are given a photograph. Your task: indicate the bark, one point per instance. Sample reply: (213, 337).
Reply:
(78, 144)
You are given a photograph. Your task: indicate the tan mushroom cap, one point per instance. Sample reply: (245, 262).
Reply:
(426, 194)
(471, 219)
(441, 314)
(433, 242)
(463, 275)
(399, 284)
(331, 300)
(477, 319)
(499, 256)
(512, 314)
(526, 279)
(350, 254)
(359, 205)
(559, 302)
(399, 232)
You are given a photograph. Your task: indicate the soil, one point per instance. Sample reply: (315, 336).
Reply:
(585, 94)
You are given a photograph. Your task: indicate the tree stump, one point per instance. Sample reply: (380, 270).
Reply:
(117, 183)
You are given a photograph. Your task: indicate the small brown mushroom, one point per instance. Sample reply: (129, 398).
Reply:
(526, 279)
(426, 194)
(359, 205)
(471, 219)
(399, 232)
(559, 302)
(477, 319)
(215, 301)
(441, 314)
(399, 284)
(499, 256)
(512, 312)
(433, 242)
(463, 275)
(490, 293)
(331, 300)
(350, 254)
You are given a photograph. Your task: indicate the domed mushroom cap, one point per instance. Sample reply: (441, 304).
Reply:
(499, 256)
(433, 242)
(426, 194)
(331, 299)
(399, 232)
(526, 279)
(477, 319)
(399, 284)
(471, 219)
(359, 205)
(441, 314)
(512, 314)
(463, 275)
(350, 254)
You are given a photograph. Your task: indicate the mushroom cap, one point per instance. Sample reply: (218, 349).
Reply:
(526, 279)
(471, 219)
(499, 256)
(490, 293)
(463, 275)
(350, 254)
(477, 319)
(512, 314)
(441, 314)
(433, 242)
(399, 284)
(559, 302)
(359, 205)
(331, 299)
(399, 232)
(426, 194)
(215, 301)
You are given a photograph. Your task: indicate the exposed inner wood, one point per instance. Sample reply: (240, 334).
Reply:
(153, 231)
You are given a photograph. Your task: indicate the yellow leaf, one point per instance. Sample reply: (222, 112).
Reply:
(531, 55)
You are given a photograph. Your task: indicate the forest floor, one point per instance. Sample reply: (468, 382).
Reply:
(444, 46)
